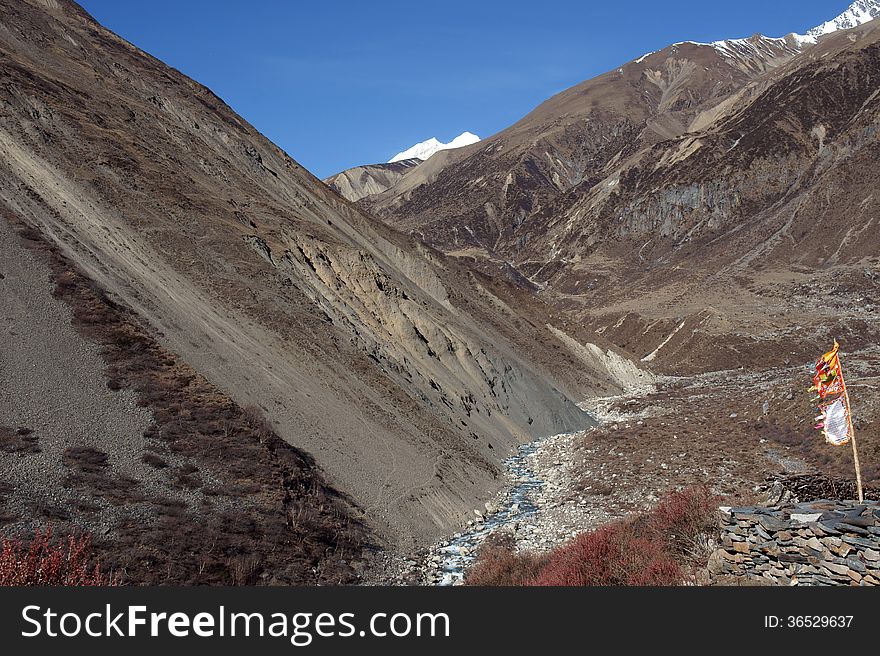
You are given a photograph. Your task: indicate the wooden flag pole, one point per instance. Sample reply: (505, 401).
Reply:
(852, 432)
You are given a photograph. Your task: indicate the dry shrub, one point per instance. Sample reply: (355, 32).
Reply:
(285, 524)
(683, 519)
(18, 440)
(615, 554)
(42, 562)
(155, 461)
(651, 549)
(498, 564)
(85, 458)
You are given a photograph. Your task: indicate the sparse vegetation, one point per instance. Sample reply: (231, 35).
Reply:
(18, 440)
(155, 461)
(44, 561)
(498, 564)
(657, 548)
(268, 517)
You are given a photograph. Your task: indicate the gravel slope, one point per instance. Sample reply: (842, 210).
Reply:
(53, 383)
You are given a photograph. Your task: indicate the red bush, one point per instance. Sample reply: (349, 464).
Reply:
(498, 564)
(44, 563)
(682, 517)
(613, 555)
(646, 550)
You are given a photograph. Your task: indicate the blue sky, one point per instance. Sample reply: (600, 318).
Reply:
(337, 84)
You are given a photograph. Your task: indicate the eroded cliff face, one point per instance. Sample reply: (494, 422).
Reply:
(371, 179)
(406, 377)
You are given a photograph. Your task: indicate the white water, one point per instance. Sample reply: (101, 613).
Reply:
(460, 551)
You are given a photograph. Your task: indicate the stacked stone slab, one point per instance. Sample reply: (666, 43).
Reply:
(822, 542)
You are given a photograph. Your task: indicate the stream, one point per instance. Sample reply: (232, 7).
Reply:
(460, 551)
(520, 501)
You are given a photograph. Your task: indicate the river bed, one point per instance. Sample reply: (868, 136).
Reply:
(519, 502)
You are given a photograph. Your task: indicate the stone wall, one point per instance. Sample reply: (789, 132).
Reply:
(821, 542)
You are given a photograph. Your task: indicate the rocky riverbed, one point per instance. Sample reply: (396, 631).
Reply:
(545, 502)
(730, 430)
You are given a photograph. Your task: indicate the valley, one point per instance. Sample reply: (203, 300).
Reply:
(230, 372)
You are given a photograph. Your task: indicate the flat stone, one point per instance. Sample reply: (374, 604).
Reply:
(856, 565)
(863, 522)
(837, 568)
(860, 542)
(870, 554)
(804, 518)
(829, 528)
(772, 524)
(850, 528)
(760, 531)
(821, 504)
(770, 548)
(793, 558)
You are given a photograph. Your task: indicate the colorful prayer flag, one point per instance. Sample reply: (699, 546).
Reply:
(835, 422)
(827, 380)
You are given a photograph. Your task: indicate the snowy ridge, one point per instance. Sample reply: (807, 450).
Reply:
(857, 13)
(427, 148)
(746, 48)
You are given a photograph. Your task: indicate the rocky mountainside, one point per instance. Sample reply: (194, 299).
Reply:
(360, 181)
(702, 207)
(406, 376)
(372, 179)
(478, 197)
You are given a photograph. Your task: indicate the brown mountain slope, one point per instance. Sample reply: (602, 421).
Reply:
(480, 196)
(370, 179)
(104, 431)
(719, 212)
(735, 231)
(407, 378)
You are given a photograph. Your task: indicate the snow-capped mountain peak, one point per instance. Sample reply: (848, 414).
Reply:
(427, 148)
(858, 12)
